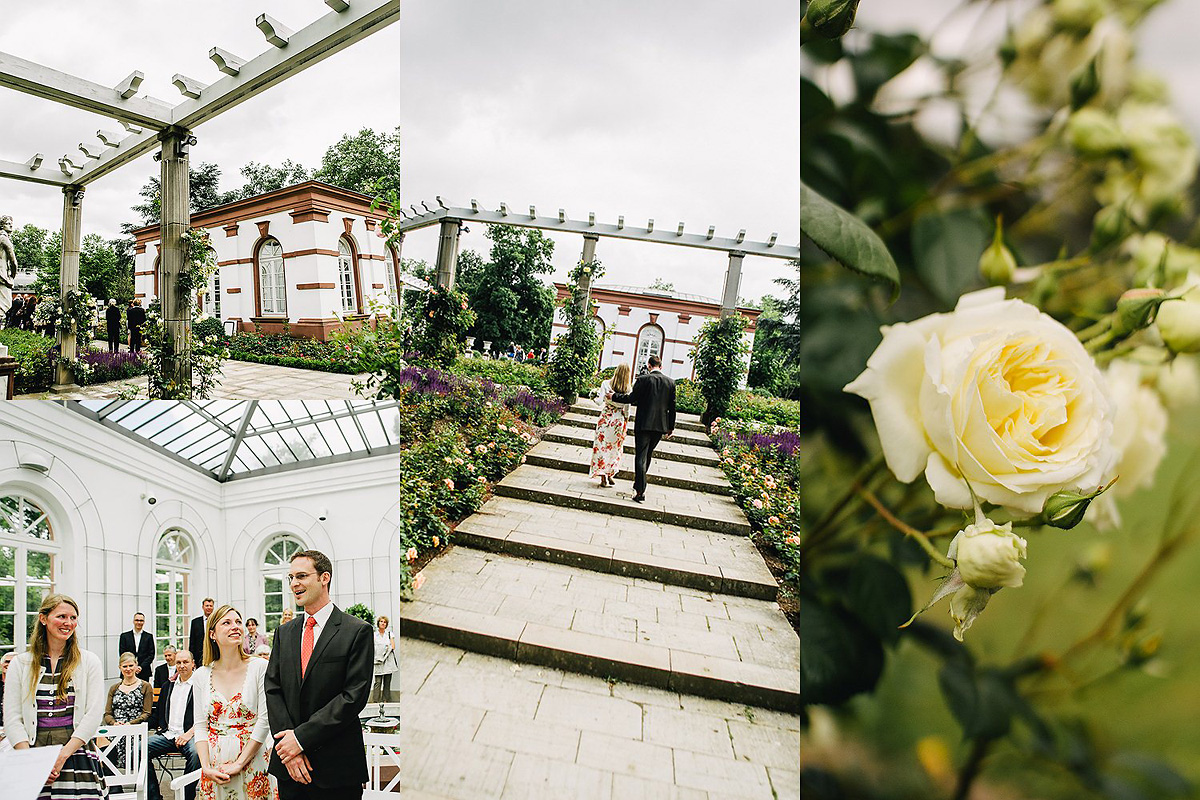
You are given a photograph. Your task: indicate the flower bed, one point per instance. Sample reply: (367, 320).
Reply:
(287, 351)
(762, 465)
(746, 405)
(503, 370)
(32, 352)
(105, 367)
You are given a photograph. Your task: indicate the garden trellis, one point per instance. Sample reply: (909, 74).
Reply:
(151, 124)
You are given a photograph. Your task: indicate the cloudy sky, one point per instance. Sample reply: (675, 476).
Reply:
(680, 111)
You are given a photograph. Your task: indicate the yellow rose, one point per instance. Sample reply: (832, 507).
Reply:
(995, 392)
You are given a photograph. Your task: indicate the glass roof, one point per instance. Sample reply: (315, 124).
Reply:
(239, 438)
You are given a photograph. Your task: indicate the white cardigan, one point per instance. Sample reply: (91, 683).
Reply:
(254, 695)
(20, 710)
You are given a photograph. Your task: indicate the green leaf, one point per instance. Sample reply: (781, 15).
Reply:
(838, 658)
(946, 250)
(847, 239)
(983, 703)
(878, 595)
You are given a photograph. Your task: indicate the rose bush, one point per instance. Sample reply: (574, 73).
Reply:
(996, 393)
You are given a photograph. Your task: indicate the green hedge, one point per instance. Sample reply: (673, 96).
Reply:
(32, 352)
(750, 406)
(503, 370)
(295, 361)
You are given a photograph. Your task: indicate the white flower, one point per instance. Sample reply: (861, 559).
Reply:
(1178, 382)
(995, 392)
(988, 555)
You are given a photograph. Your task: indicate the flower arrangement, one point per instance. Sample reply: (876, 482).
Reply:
(206, 352)
(199, 262)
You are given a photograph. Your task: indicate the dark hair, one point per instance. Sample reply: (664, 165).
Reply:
(251, 619)
(653, 361)
(321, 562)
(139, 614)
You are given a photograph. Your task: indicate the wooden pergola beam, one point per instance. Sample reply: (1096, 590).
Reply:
(50, 84)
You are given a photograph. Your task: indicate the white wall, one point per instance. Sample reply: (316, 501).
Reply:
(96, 493)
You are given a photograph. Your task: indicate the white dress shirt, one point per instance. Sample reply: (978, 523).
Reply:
(178, 707)
(322, 618)
(137, 640)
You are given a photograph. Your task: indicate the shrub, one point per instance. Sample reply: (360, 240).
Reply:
(749, 406)
(287, 351)
(687, 396)
(504, 371)
(575, 350)
(441, 336)
(208, 326)
(362, 612)
(719, 357)
(32, 352)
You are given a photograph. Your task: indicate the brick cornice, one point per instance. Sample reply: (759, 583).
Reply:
(654, 302)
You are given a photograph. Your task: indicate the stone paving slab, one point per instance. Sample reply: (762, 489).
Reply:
(683, 420)
(608, 625)
(681, 475)
(667, 449)
(671, 554)
(681, 434)
(665, 504)
(528, 731)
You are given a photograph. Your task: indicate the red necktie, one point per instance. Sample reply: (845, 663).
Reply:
(306, 643)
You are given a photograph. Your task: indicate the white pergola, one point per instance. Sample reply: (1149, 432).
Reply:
(150, 124)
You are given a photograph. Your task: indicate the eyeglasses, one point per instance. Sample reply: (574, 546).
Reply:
(298, 576)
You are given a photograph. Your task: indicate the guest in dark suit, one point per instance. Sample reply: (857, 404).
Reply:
(166, 672)
(112, 325)
(141, 644)
(196, 634)
(172, 721)
(654, 396)
(135, 318)
(317, 681)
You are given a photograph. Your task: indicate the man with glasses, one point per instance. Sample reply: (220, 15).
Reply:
(141, 644)
(318, 679)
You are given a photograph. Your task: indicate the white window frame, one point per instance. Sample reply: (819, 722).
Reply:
(212, 298)
(392, 289)
(644, 349)
(178, 574)
(272, 288)
(274, 565)
(21, 543)
(346, 277)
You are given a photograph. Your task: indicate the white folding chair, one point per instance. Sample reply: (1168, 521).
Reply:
(184, 780)
(383, 751)
(129, 777)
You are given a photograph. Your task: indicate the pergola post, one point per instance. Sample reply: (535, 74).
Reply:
(176, 221)
(585, 278)
(733, 283)
(68, 277)
(447, 257)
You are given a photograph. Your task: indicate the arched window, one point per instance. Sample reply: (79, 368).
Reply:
(346, 277)
(599, 325)
(276, 561)
(393, 267)
(212, 297)
(28, 561)
(173, 562)
(272, 291)
(650, 343)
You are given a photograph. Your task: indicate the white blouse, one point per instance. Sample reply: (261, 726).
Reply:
(254, 695)
(605, 392)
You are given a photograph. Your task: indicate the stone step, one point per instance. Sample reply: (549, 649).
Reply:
(528, 731)
(588, 421)
(713, 562)
(666, 504)
(683, 421)
(734, 649)
(681, 475)
(667, 450)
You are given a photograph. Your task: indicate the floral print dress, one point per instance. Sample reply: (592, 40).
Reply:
(231, 724)
(609, 444)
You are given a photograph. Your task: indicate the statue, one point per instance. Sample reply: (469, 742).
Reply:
(8, 266)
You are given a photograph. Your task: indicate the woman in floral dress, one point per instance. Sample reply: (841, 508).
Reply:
(231, 715)
(609, 444)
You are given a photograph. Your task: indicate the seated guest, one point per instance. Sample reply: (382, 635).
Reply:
(173, 720)
(129, 701)
(165, 672)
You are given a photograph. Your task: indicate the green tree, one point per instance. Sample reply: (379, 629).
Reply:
(367, 162)
(203, 190)
(263, 178)
(32, 244)
(510, 303)
(101, 269)
(771, 360)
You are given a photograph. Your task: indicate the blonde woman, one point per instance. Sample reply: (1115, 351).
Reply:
(54, 697)
(129, 700)
(609, 444)
(231, 715)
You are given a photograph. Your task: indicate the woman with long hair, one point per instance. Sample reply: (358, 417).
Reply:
(231, 715)
(609, 443)
(129, 700)
(54, 697)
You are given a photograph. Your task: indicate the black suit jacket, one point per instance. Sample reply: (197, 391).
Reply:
(654, 396)
(196, 641)
(162, 676)
(160, 715)
(322, 708)
(144, 653)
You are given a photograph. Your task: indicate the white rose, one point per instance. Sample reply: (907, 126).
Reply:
(1139, 428)
(995, 392)
(988, 555)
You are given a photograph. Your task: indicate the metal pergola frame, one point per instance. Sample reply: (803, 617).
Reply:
(232, 438)
(152, 124)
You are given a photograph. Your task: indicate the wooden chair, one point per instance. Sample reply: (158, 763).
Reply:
(130, 776)
(383, 763)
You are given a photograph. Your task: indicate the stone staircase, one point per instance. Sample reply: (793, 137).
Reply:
(574, 643)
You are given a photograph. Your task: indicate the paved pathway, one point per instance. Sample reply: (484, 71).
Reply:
(240, 380)
(576, 644)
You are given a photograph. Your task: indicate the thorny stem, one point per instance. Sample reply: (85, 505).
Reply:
(906, 529)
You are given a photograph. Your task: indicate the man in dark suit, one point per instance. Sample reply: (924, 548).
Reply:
(317, 681)
(196, 634)
(140, 643)
(135, 318)
(112, 325)
(654, 396)
(171, 720)
(166, 672)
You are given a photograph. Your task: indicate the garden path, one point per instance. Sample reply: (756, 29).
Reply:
(239, 380)
(576, 644)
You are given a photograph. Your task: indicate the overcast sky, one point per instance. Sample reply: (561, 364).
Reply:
(680, 111)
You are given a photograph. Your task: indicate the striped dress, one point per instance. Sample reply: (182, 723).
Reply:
(81, 776)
